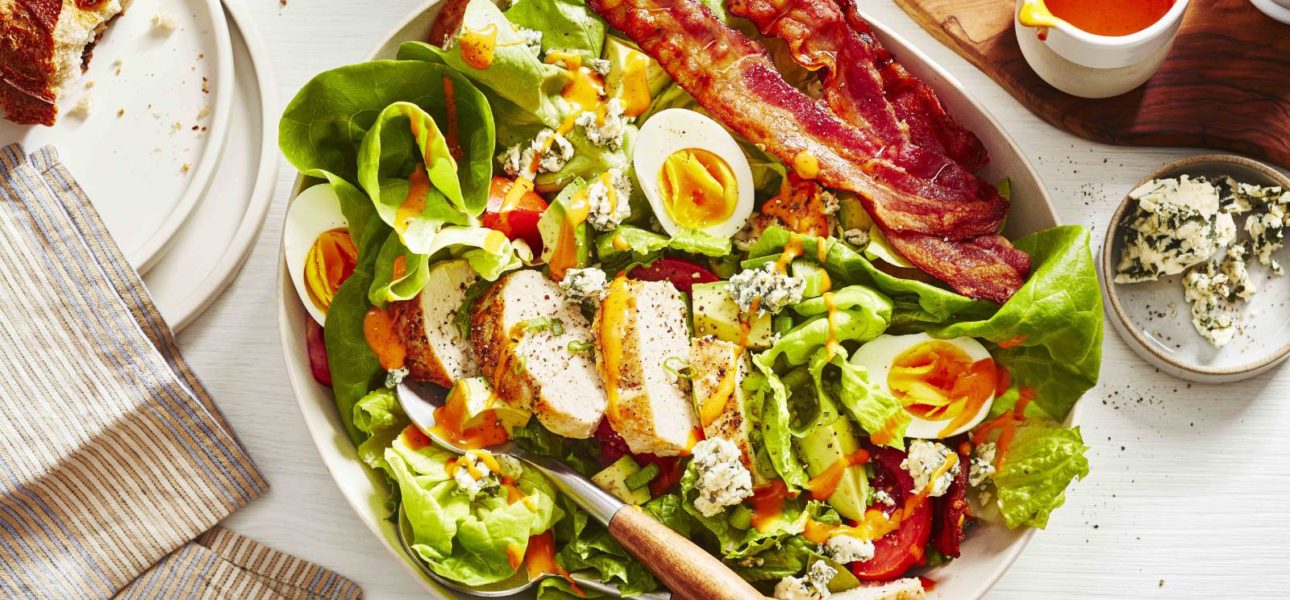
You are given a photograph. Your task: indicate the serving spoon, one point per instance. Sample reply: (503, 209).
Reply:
(681, 565)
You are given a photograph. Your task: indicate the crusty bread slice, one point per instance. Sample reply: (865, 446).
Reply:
(44, 47)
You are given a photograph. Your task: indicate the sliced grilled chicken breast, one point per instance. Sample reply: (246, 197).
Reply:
(717, 370)
(436, 349)
(521, 331)
(639, 326)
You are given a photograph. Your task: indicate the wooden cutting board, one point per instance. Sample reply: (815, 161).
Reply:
(1225, 84)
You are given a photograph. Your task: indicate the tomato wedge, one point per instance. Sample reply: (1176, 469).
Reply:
(898, 551)
(518, 221)
(682, 273)
(317, 352)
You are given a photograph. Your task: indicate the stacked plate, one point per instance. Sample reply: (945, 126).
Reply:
(171, 134)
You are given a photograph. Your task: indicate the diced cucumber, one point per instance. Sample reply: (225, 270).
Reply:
(614, 480)
(741, 518)
(641, 478)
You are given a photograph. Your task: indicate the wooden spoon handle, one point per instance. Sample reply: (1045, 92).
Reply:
(686, 569)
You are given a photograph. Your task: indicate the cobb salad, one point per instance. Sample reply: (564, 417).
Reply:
(750, 285)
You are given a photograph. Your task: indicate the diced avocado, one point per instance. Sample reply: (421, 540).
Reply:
(715, 313)
(614, 480)
(1005, 188)
(558, 231)
(880, 249)
(623, 56)
(816, 278)
(829, 443)
(851, 214)
(741, 517)
(475, 396)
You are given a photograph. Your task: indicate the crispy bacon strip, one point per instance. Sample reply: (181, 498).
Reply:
(983, 267)
(820, 39)
(916, 103)
(733, 79)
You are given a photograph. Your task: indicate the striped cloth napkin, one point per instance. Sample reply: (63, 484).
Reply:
(115, 464)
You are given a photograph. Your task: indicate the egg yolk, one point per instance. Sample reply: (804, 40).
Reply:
(328, 264)
(937, 381)
(698, 188)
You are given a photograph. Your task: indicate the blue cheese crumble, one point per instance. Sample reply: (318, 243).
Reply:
(846, 549)
(532, 39)
(723, 479)
(765, 286)
(472, 474)
(814, 586)
(926, 460)
(1215, 290)
(523, 160)
(584, 285)
(609, 200)
(982, 467)
(605, 129)
(1177, 224)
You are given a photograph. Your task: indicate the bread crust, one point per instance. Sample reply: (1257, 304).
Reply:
(27, 29)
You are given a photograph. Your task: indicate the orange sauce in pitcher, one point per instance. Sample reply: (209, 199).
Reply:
(1110, 17)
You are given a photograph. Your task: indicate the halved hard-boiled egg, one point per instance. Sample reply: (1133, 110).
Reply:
(694, 173)
(946, 385)
(319, 251)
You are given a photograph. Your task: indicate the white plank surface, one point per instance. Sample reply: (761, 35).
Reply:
(1187, 497)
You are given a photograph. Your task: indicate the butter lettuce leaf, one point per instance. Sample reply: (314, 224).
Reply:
(515, 72)
(462, 539)
(323, 126)
(871, 406)
(1041, 462)
(354, 367)
(1049, 334)
(566, 25)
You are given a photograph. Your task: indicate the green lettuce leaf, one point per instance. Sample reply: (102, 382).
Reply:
(847, 265)
(323, 126)
(870, 405)
(464, 540)
(1052, 327)
(515, 74)
(379, 416)
(1042, 460)
(567, 25)
(354, 368)
(587, 546)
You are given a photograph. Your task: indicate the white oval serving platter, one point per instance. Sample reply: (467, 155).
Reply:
(988, 550)
(159, 104)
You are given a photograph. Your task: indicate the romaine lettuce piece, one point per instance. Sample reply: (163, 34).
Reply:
(1041, 462)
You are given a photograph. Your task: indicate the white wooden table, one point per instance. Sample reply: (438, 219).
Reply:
(1189, 485)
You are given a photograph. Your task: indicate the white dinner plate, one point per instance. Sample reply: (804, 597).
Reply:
(136, 153)
(210, 248)
(988, 550)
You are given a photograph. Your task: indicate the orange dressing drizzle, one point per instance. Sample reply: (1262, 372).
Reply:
(745, 321)
(539, 560)
(378, 329)
(1006, 424)
(617, 312)
(478, 46)
(414, 438)
(887, 433)
(634, 91)
(415, 202)
(330, 261)
(450, 107)
(823, 485)
(1011, 342)
(831, 343)
(792, 250)
(400, 268)
(564, 254)
(768, 504)
(713, 406)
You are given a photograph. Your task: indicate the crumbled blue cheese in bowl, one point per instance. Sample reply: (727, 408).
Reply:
(767, 287)
(1177, 224)
(1187, 226)
(925, 463)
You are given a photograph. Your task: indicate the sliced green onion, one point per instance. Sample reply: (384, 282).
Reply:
(642, 477)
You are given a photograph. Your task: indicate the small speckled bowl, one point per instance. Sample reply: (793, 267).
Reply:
(1154, 318)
